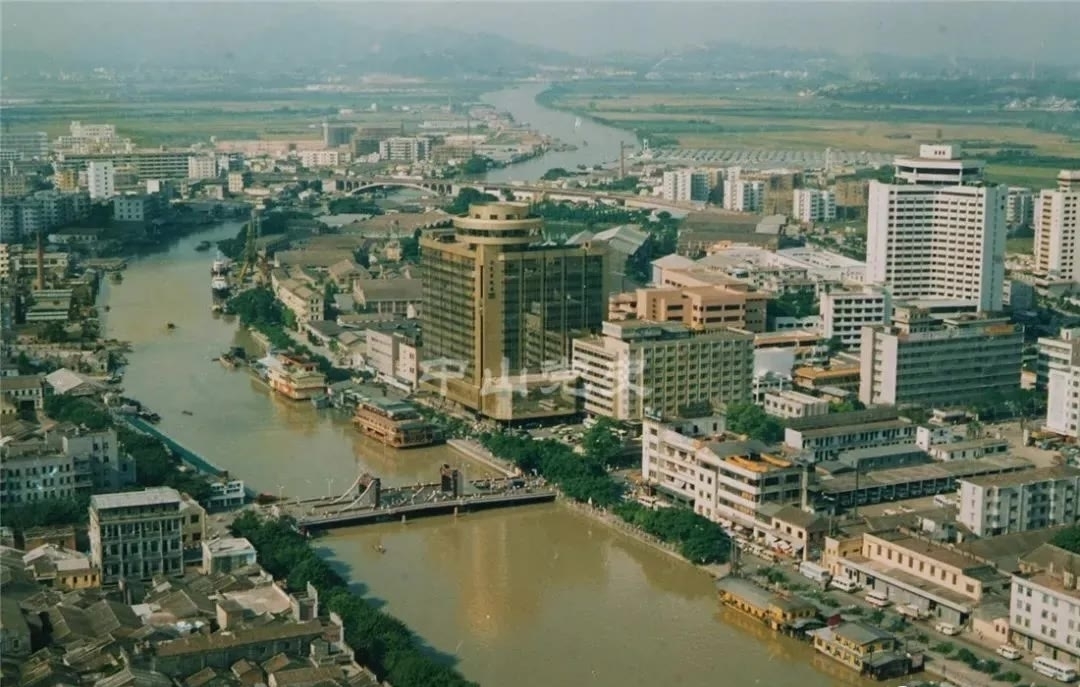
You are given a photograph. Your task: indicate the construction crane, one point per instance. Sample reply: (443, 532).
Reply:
(251, 251)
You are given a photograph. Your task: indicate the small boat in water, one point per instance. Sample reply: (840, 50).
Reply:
(380, 548)
(170, 326)
(186, 412)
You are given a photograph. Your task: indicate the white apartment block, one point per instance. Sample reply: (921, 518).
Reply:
(637, 368)
(1063, 400)
(814, 205)
(961, 360)
(743, 195)
(393, 356)
(319, 158)
(137, 535)
(1019, 501)
(939, 242)
(202, 167)
(63, 463)
(101, 179)
(305, 302)
(1062, 350)
(825, 437)
(405, 148)
(938, 165)
(1044, 613)
(788, 404)
(1020, 207)
(686, 185)
(1057, 229)
(725, 481)
(845, 313)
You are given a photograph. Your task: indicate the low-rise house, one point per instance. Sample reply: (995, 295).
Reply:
(965, 450)
(345, 272)
(825, 437)
(781, 613)
(792, 404)
(397, 296)
(61, 568)
(65, 382)
(294, 377)
(864, 648)
(223, 555)
(24, 392)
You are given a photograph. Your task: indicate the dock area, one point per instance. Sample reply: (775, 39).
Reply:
(367, 502)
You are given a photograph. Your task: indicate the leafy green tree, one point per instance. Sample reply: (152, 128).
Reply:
(600, 442)
(1068, 539)
(410, 247)
(749, 419)
(466, 197)
(79, 411)
(554, 174)
(54, 332)
(476, 164)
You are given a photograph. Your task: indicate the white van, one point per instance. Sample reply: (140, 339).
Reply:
(876, 598)
(1008, 651)
(947, 629)
(844, 584)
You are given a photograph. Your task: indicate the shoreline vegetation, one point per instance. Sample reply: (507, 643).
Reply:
(381, 642)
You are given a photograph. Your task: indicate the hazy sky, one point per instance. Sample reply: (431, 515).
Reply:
(160, 30)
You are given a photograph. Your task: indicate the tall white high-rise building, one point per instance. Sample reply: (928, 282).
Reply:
(101, 179)
(814, 205)
(743, 195)
(926, 240)
(686, 184)
(1057, 229)
(1020, 210)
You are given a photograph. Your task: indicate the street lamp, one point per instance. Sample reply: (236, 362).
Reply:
(329, 487)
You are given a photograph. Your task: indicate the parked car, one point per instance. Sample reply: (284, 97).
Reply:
(1008, 651)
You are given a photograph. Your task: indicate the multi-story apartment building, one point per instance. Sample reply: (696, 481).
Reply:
(819, 438)
(405, 148)
(844, 313)
(335, 135)
(1059, 351)
(234, 182)
(145, 164)
(137, 535)
(202, 167)
(1020, 207)
(952, 364)
(714, 306)
(397, 296)
(393, 355)
(319, 158)
(814, 205)
(305, 302)
(136, 208)
(945, 242)
(1057, 229)
(864, 648)
(42, 211)
(1063, 400)
(13, 185)
(688, 462)
(1044, 604)
(794, 404)
(500, 303)
(744, 195)
(685, 184)
(24, 145)
(64, 462)
(637, 368)
(1019, 501)
(101, 179)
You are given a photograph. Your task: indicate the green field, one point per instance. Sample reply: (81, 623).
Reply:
(1020, 245)
(1024, 148)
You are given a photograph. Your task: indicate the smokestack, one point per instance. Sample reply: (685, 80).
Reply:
(622, 160)
(40, 262)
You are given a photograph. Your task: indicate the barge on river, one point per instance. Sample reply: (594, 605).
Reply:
(396, 423)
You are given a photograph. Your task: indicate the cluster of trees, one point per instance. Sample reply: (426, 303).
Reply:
(353, 206)
(272, 223)
(157, 466)
(663, 240)
(556, 173)
(698, 539)
(587, 214)
(603, 445)
(257, 308)
(410, 247)
(78, 411)
(749, 419)
(585, 478)
(1002, 406)
(793, 304)
(47, 513)
(477, 164)
(381, 642)
(582, 478)
(1068, 539)
(465, 198)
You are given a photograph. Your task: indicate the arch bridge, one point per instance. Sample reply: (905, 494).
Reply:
(442, 187)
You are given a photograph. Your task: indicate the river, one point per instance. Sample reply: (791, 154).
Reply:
(596, 143)
(535, 596)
